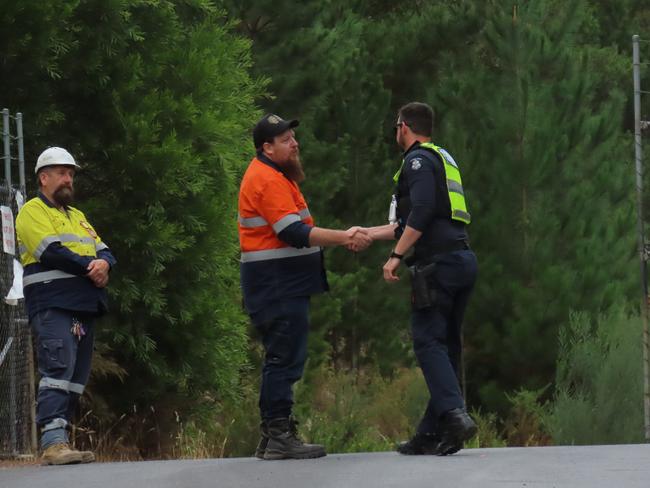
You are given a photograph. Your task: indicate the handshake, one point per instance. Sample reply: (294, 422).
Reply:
(358, 239)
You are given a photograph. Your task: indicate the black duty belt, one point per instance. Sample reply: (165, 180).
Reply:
(429, 254)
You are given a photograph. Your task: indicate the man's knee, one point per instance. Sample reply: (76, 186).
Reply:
(424, 346)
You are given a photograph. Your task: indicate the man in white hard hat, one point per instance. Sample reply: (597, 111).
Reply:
(66, 269)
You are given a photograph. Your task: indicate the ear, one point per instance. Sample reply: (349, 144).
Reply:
(267, 147)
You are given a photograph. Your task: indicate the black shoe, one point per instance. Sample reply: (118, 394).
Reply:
(456, 427)
(419, 444)
(284, 442)
(264, 440)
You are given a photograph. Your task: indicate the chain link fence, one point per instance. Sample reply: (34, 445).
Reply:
(17, 427)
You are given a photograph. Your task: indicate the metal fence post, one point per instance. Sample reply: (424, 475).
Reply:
(7, 144)
(21, 152)
(638, 153)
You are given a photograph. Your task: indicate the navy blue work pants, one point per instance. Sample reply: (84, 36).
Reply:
(284, 327)
(64, 361)
(437, 334)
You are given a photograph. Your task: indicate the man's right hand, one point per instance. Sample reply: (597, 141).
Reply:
(98, 272)
(359, 239)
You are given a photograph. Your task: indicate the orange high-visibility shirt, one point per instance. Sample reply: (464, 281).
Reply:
(270, 268)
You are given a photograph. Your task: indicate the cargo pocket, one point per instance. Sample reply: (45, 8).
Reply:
(51, 355)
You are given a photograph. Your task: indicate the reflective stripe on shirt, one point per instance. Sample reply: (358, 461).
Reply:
(279, 226)
(252, 222)
(284, 252)
(43, 245)
(46, 276)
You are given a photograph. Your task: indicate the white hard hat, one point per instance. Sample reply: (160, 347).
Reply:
(53, 156)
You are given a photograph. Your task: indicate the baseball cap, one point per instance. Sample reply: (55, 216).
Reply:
(270, 126)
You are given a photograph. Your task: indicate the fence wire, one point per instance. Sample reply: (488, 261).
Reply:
(16, 358)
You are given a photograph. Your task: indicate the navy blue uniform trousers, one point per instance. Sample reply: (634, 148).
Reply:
(437, 334)
(284, 327)
(64, 361)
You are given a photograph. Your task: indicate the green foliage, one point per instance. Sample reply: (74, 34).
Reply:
(156, 101)
(357, 412)
(542, 159)
(525, 424)
(599, 384)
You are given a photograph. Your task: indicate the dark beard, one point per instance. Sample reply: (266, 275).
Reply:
(64, 196)
(293, 169)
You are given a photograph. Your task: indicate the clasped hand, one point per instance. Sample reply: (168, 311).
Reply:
(98, 272)
(359, 239)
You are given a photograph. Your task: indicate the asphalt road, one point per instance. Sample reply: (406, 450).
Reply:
(625, 466)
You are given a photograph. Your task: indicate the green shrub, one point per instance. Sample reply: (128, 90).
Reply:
(599, 388)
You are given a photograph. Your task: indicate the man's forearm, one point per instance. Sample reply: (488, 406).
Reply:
(408, 239)
(382, 232)
(328, 237)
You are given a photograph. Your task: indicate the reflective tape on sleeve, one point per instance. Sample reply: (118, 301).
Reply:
(252, 221)
(285, 222)
(43, 245)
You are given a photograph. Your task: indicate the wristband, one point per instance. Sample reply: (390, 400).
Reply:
(395, 255)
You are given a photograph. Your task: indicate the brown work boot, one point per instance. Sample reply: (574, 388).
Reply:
(87, 457)
(61, 453)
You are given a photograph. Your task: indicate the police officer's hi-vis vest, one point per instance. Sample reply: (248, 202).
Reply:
(453, 181)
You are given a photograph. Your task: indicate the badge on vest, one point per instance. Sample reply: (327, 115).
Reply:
(416, 163)
(88, 229)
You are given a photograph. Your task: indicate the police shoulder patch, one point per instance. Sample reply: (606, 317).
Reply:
(416, 163)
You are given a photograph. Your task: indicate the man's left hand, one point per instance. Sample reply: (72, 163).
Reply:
(390, 269)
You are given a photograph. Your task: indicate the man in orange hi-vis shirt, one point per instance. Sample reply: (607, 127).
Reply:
(281, 267)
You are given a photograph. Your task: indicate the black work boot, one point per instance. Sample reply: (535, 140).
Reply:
(284, 442)
(456, 427)
(264, 440)
(420, 444)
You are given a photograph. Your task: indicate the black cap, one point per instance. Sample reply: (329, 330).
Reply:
(270, 126)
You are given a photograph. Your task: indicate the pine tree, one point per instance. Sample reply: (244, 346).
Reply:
(549, 187)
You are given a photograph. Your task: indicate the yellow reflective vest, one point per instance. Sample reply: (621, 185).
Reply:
(453, 181)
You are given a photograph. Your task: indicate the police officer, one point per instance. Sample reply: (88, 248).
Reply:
(66, 268)
(430, 216)
(281, 267)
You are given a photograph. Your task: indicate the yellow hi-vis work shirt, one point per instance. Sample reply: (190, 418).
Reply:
(57, 279)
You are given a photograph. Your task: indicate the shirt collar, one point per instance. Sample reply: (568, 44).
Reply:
(268, 161)
(45, 200)
(413, 147)
(48, 202)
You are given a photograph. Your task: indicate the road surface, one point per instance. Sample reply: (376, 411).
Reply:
(626, 466)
